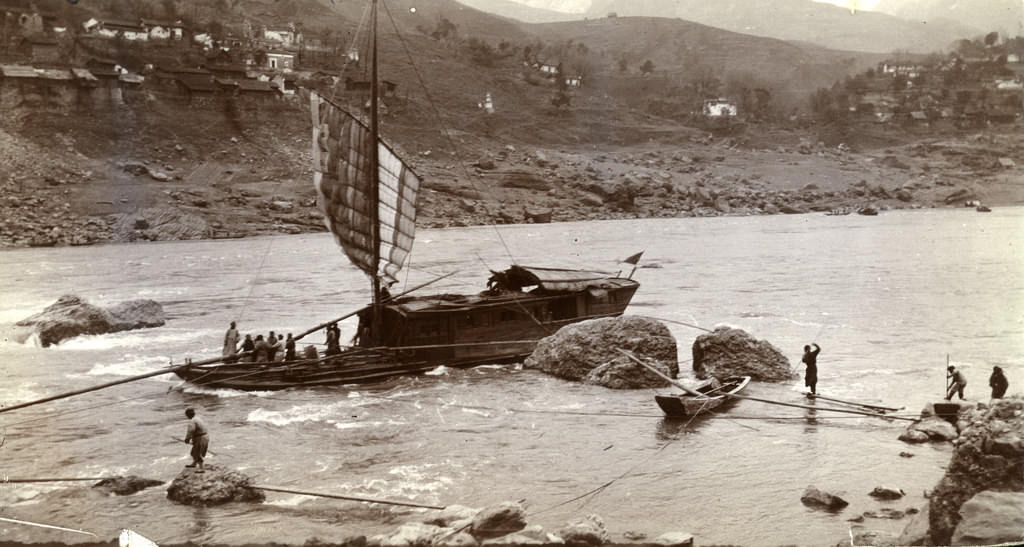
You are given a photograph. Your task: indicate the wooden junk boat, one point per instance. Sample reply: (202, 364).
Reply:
(368, 197)
(714, 393)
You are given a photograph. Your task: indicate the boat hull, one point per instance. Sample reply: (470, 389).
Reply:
(685, 404)
(428, 332)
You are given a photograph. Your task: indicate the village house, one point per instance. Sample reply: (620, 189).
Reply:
(574, 82)
(40, 49)
(282, 36)
(280, 60)
(113, 28)
(719, 108)
(163, 30)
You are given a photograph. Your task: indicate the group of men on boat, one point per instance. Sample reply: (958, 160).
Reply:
(259, 349)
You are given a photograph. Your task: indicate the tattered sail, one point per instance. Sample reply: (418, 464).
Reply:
(341, 163)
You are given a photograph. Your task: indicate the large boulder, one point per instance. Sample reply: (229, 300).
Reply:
(588, 530)
(932, 428)
(214, 486)
(991, 518)
(732, 352)
(498, 520)
(812, 497)
(72, 316)
(588, 352)
(988, 455)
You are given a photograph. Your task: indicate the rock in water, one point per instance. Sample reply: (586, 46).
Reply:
(587, 352)
(498, 520)
(124, 486)
(816, 498)
(732, 352)
(213, 487)
(72, 316)
(988, 455)
(585, 531)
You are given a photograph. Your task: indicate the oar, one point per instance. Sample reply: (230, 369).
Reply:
(852, 403)
(768, 401)
(351, 498)
(350, 314)
(661, 374)
(210, 452)
(168, 370)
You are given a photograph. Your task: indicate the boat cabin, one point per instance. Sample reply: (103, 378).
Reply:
(520, 306)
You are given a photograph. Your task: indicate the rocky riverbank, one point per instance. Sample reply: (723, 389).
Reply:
(250, 183)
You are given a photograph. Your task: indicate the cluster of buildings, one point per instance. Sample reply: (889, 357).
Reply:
(46, 64)
(960, 90)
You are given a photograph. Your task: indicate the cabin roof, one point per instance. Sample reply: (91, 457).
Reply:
(509, 287)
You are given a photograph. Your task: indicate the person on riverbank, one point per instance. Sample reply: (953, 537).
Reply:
(231, 338)
(199, 437)
(810, 359)
(998, 383)
(958, 385)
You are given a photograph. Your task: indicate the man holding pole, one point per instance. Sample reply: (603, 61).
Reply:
(957, 385)
(810, 359)
(198, 436)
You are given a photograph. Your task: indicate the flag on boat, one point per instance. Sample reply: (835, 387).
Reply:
(633, 259)
(345, 187)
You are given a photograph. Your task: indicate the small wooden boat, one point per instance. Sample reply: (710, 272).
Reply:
(982, 209)
(715, 394)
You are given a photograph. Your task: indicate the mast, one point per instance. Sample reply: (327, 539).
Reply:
(375, 325)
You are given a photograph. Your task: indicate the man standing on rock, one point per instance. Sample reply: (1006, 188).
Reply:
(811, 360)
(231, 338)
(199, 438)
(998, 383)
(959, 382)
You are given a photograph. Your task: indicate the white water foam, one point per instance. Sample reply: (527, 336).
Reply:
(439, 371)
(133, 339)
(132, 365)
(296, 414)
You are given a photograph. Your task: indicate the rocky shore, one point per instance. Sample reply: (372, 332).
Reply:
(54, 196)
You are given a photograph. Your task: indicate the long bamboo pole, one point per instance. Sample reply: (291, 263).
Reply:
(350, 498)
(168, 370)
(758, 399)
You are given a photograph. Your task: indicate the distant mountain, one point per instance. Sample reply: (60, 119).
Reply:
(1005, 16)
(798, 20)
(521, 11)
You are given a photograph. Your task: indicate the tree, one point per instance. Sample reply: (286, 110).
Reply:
(647, 67)
(991, 38)
(623, 64)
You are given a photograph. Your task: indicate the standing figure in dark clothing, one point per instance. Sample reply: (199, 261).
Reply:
(959, 382)
(289, 348)
(811, 360)
(998, 383)
(249, 346)
(333, 343)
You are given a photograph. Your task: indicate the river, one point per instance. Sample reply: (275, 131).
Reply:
(888, 298)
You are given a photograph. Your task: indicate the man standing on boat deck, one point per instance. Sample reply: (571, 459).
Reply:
(231, 338)
(811, 360)
(198, 436)
(959, 382)
(272, 346)
(333, 342)
(289, 348)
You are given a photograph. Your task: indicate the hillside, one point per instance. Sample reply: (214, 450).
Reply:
(984, 16)
(796, 20)
(625, 144)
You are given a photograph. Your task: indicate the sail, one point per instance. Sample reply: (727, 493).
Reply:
(341, 163)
